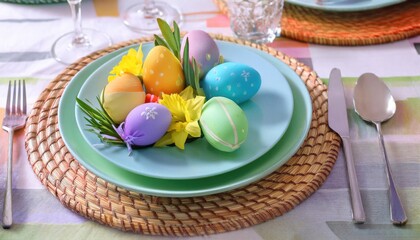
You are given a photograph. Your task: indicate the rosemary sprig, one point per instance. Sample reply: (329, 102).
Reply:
(99, 122)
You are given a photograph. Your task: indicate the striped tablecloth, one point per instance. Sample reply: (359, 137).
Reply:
(28, 31)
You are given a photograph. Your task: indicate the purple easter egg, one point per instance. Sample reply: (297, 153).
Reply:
(145, 124)
(203, 49)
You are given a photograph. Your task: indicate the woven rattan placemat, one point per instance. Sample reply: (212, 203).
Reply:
(94, 198)
(376, 26)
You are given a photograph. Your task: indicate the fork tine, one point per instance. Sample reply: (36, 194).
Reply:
(19, 100)
(24, 97)
(8, 98)
(14, 98)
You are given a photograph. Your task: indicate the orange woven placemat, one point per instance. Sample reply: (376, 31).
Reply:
(98, 200)
(377, 26)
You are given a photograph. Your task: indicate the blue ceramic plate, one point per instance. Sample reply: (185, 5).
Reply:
(345, 5)
(261, 167)
(200, 159)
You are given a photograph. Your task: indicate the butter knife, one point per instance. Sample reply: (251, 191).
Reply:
(337, 120)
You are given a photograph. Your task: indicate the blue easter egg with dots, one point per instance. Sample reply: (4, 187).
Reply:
(236, 81)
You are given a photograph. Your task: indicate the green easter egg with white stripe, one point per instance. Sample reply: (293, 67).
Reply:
(224, 124)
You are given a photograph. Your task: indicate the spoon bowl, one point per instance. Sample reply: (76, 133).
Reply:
(374, 102)
(372, 99)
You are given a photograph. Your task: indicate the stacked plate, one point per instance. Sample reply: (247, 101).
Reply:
(279, 117)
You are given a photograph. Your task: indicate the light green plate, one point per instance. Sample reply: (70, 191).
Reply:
(199, 159)
(269, 162)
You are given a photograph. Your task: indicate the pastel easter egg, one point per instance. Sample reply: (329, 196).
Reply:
(162, 72)
(224, 124)
(121, 95)
(235, 81)
(145, 124)
(203, 49)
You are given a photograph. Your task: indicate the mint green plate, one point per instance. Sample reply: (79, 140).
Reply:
(257, 169)
(199, 159)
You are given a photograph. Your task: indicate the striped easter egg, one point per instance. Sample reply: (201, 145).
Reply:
(122, 95)
(224, 124)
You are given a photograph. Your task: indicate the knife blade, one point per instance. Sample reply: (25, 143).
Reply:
(337, 120)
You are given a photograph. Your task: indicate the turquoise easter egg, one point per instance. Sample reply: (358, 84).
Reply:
(224, 124)
(236, 81)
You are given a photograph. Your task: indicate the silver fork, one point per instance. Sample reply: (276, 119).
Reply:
(14, 119)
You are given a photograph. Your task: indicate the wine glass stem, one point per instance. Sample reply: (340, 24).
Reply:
(149, 4)
(150, 10)
(79, 38)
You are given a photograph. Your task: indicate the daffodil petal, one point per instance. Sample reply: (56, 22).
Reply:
(187, 93)
(194, 107)
(175, 104)
(111, 77)
(132, 62)
(193, 129)
(185, 111)
(164, 141)
(179, 138)
(177, 126)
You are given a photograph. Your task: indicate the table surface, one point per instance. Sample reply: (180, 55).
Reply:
(28, 32)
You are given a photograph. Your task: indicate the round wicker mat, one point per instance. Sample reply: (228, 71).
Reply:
(94, 198)
(376, 26)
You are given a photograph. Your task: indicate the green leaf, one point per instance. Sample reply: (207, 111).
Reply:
(177, 37)
(160, 42)
(221, 60)
(186, 63)
(171, 40)
(168, 35)
(191, 71)
(196, 72)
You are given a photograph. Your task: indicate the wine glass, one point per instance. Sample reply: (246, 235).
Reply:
(79, 43)
(142, 16)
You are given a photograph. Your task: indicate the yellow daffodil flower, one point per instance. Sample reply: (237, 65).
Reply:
(132, 62)
(186, 111)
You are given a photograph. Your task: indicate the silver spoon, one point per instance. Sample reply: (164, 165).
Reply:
(374, 103)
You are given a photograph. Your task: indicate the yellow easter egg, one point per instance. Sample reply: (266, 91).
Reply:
(122, 95)
(162, 72)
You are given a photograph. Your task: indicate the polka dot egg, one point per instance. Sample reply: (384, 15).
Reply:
(235, 81)
(162, 72)
(203, 49)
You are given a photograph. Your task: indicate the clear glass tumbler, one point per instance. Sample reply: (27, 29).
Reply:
(256, 20)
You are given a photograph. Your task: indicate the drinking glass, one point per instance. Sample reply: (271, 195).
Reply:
(256, 20)
(142, 16)
(79, 43)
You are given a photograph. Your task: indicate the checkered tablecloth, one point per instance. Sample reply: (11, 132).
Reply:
(28, 31)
